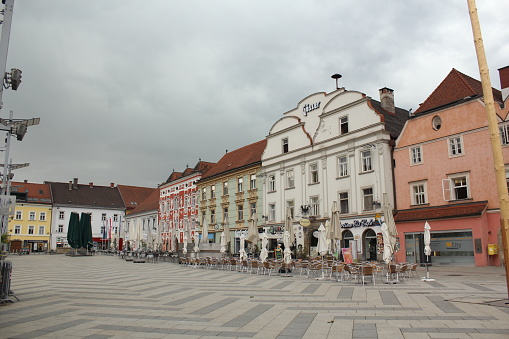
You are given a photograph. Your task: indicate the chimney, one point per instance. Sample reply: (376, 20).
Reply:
(504, 81)
(387, 99)
(70, 185)
(91, 184)
(75, 184)
(25, 181)
(112, 185)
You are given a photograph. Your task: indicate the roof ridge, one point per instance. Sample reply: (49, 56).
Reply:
(463, 77)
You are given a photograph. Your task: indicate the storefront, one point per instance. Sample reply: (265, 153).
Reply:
(362, 236)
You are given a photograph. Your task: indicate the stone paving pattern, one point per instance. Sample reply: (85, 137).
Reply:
(107, 297)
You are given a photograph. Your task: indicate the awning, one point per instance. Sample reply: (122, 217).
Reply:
(442, 212)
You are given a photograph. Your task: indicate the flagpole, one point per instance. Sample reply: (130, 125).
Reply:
(496, 146)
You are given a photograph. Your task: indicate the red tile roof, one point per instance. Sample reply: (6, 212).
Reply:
(37, 193)
(134, 195)
(455, 87)
(244, 156)
(442, 212)
(201, 166)
(151, 203)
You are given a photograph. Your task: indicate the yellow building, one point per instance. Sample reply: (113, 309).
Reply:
(30, 227)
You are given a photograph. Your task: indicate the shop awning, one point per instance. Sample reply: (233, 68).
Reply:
(442, 212)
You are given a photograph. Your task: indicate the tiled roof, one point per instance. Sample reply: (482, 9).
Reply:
(394, 122)
(86, 195)
(244, 156)
(455, 87)
(442, 212)
(133, 195)
(151, 203)
(31, 192)
(201, 166)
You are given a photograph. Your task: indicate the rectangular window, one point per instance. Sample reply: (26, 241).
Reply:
(252, 182)
(290, 181)
(253, 209)
(416, 155)
(315, 206)
(19, 215)
(115, 217)
(272, 183)
(418, 193)
(225, 215)
(455, 146)
(284, 143)
(17, 229)
(240, 187)
(343, 202)
(31, 216)
(459, 187)
(240, 210)
(313, 173)
(60, 229)
(367, 196)
(366, 161)
(343, 125)
(41, 230)
(212, 192)
(31, 229)
(290, 204)
(42, 216)
(225, 187)
(204, 193)
(103, 217)
(212, 216)
(504, 134)
(61, 215)
(342, 166)
(272, 212)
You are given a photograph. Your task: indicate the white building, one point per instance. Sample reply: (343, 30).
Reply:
(332, 147)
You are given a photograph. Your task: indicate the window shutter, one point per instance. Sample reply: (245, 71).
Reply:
(446, 189)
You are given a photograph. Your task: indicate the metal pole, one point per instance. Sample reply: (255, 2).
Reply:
(496, 146)
(4, 42)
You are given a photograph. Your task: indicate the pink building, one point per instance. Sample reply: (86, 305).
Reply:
(445, 175)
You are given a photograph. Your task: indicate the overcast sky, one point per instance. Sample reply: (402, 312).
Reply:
(128, 90)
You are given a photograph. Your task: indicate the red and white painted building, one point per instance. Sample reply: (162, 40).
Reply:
(178, 205)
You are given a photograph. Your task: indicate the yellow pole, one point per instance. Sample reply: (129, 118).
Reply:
(496, 146)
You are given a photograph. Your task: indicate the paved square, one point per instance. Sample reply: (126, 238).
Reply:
(107, 297)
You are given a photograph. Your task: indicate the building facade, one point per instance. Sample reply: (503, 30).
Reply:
(229, 194)
(445, 175)
(29, 229)
(332, 147)
(141, 229)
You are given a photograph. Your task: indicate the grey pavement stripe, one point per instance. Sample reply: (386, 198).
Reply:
(310, 289)
(443, 305)
(389, 298)
(454, 330)
(298, 326)
(416, 317)
(364, 330)
(50, 329)
(164, 294)
(143, 329)
(257, 282)
(45, 315)
(280, 285)
(248, 316)
(435, 284)
(98, 336)
(308, 299)
(193, 297)
(346, 293)
(353, 308)
(142, 316)
(215, 306)
(478, 287)
(135, 307)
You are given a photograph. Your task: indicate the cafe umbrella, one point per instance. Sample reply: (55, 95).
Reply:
(335, 225)
(74, 231)
(86, 231)
(264, 252)
(242, 251)
(427, 249)
(223, 243)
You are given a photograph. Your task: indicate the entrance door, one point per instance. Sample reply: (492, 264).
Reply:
(15, 246)
(369, 245)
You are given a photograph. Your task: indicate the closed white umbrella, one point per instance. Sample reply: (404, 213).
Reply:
(223, 243)
(322, 240)
(335, 224)
(150, 239)
(287, 254)
(387, 254)
(328, 236)
(242, 251)
(264, 252)
(226, 229)
(252, 232)
(289, 225)
(205, 234)
(427, 249)
(389, 220)
(196, 243)
(184, 250)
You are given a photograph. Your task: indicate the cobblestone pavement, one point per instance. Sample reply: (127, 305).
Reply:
(107, 297)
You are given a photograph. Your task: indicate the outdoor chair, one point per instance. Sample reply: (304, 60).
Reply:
(392, 272)
(412, 270)
(315, 269)
(367, 272)
(352, 272)
(255, 265)
(268, 267)
(338, 270)
(233, 264)
(403, 273)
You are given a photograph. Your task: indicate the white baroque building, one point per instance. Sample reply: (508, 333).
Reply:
(332, 147)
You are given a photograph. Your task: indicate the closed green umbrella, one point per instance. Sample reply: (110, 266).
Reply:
(86, 231)
(74, 231)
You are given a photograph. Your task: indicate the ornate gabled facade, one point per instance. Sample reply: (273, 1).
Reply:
(229, 193)
(178, 204)
(445, 176)
(332, 147)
